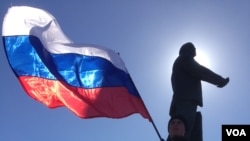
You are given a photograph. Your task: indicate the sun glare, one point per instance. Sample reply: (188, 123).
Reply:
(202, 58)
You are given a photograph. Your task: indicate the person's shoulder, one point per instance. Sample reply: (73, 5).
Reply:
(179, 139)
(186, 61)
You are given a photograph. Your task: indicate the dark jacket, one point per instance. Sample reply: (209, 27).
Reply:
(176, 139)
(187, 75)
(179, 139)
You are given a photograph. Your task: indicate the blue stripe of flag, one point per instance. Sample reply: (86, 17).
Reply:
(28, 57)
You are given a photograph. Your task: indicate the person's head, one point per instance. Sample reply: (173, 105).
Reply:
(187, 49)
(177, 126)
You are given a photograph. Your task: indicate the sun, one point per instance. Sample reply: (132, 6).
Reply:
(202, 58)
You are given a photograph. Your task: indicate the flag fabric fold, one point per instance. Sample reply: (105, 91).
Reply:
(91, 81)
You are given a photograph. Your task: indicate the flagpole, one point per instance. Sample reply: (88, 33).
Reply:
(151, 119)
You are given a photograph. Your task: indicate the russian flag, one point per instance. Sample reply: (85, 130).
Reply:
(91, 81)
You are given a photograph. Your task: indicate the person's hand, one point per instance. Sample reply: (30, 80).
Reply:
(223, 83)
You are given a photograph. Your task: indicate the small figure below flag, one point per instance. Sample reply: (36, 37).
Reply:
(90, 81)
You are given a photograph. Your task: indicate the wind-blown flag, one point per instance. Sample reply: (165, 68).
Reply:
(91, 81)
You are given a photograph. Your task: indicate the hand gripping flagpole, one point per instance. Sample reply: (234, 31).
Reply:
(151, 119)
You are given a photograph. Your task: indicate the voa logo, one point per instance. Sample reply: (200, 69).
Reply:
(236, 132)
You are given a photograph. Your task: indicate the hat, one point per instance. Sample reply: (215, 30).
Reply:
(180, 118)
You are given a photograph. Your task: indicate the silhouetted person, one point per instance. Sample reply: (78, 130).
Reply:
(186, 79)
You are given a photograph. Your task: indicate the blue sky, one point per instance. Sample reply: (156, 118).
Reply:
(148, 35)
